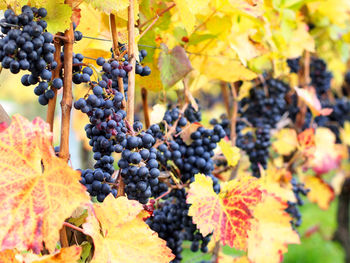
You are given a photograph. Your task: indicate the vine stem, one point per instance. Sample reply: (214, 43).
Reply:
(114, 32)
(234, 114)
(50, 116)
(66, 106)
(144, 95)
(304, 81)
(225, 96)
(67, 98)
(131, 78)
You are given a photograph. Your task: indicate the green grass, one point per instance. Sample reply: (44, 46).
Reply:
(313, 249)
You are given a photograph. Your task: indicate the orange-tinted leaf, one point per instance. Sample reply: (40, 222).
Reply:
(310, 98)
(227, 214)
(271, 231)
(320, 192)
(38, 191)
(306, 139)
(66, 255)
(188, 130)
(124, 236)
(8, 256)
(222, 258)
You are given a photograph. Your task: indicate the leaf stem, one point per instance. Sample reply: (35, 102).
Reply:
(73, 227)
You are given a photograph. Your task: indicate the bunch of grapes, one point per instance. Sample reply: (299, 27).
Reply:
(320, 76)
(106, 132)
(26, 45)
(294, 64)
(139, 167)
(293, 209)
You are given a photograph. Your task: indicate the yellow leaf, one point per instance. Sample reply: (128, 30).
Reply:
(186, 16)
(227, 214)
(244, 90)
(58, 16)
(120, 235)
(320, 192)
(271, 231)
(216, 68)
(301, 40)
(286, 142)
(109, 6)
(345, 133)
(277, 181)
(65, 254)
(230, 152)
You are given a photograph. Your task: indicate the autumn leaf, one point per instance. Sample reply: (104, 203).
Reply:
(188, 130)
(173, 65)
(216, 68)
(270, 231)
(222, 258)
(8, 256)
(345, 133)
(306, 139)
(327, 156)
(58, 15)
(157, 113)
(121, 235)
(66, 255)
(109, 6)
(230, 152)
(38, 190)
(320, 192)
(310, 98)
(277, 181)
(227, 214)
(286, 141)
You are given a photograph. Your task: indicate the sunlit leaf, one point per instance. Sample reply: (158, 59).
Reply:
(38, 190)
(228, 214)
(230, 152)
(121, 235)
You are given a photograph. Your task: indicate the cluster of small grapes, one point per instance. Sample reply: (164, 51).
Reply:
(192, 158)
(114, 69)
(139, 167)
(172, 223)
(263, 109)
(320, 76)
(293, 207)
(107, 132)
(26, 45)
(294, 65)
(192, 114)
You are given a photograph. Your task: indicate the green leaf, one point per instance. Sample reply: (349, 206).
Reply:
(173, 66)
(58, 16)
(197, 38)
(86, 252)
(79, 220)
(109, 6)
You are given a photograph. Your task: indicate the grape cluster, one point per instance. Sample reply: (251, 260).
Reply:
(320, 76)
(263, 109)
(192, 114)
(26, 45)
(293, 209)
(106, 132)
(172, 223)
(114, 68)
(139, 167)
(294, 64)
